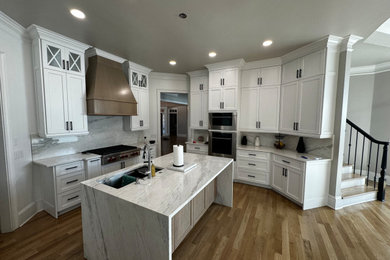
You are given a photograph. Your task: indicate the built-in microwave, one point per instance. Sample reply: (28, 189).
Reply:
(223, 121)
(222, 144)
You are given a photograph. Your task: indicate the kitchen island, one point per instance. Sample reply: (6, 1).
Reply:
(149, 220)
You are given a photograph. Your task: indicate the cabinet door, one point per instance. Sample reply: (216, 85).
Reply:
(269, 108)
(144, 81)
(195, 84)
(181, 224)
(288, 100)
(289, 71)
(205, 110)
(94, 168)
(56, 106)
(135, 78)
(270, 76)
(209, 194)
(309, 105)
(144, 108)
(250, 78)
(230, 77)
(135, 120)
(215, 99)
(76, 100)
(215, 79)
(205, 83)
(196, 109)
(230, 98)
(198, 206)
(278, 180)
(249, 108)
(53, 56)
(294, 184)
(111, 167)
(75, 62)
(313, 64)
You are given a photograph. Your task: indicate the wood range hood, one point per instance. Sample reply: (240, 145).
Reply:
(108, 92)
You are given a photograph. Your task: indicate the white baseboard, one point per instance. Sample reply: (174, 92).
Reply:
(27, 213)
(315, 203)
(253, 183)
(335, 202)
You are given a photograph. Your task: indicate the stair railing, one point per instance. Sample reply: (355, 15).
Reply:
(378, 144)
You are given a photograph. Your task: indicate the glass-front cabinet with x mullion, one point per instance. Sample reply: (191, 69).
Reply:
(57, 57)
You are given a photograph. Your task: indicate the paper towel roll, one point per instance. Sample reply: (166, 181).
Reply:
(178, 155)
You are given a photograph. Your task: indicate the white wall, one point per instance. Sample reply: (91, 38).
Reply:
(20, 115)
(163, 82)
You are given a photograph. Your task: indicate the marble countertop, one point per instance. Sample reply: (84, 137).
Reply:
(283, 152)
(169, 190)
(54, 161)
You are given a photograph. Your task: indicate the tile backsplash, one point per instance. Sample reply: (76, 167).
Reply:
(103, 131)
(314, 146)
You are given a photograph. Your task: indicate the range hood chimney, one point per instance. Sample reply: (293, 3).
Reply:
(108, 92)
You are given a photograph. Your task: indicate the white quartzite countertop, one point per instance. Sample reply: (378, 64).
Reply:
(282, 152)
(169, 190)
(54, 161)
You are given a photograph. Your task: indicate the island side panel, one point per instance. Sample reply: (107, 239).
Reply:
(225, 186)
(117, 229)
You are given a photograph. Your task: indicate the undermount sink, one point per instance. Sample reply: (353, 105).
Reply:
(118, 181)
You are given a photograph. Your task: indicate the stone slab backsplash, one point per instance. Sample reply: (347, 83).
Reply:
(314, 146)
(103, 131)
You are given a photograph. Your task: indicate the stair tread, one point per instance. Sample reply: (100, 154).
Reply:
(347, 165)
(356, 190)
(351, 176)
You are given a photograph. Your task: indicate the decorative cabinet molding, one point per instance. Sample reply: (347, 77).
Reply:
(199, 100)
(138, 78)
(59, 74)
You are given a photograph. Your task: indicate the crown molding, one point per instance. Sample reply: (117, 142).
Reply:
(95, 51)
(12, 27)
(238, 63)
(135, 66)
(263, 63)
(198, 73)
(38, 32)
(370, 69)
(329, 41)
(168, 76)
(348, 42)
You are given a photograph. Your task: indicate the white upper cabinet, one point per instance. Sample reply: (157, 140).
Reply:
(138, 78)
(59, 74)
(224, 84)
(199, 103)
(308, 93)
(269, 76)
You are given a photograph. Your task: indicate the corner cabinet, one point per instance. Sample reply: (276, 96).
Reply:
(260, 95)
(59, 75)
(224, 84)
(199, 100)
(138, 78)
(308, 94)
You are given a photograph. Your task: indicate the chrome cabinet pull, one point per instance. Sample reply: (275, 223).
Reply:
(69, 182)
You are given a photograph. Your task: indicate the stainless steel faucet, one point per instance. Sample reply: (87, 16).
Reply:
(149, 172)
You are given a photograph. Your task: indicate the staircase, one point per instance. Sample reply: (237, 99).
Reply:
(363, 174)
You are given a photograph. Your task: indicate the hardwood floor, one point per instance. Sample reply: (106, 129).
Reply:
(262, 225)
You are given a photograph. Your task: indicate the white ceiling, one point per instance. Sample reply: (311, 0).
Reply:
(149, 32)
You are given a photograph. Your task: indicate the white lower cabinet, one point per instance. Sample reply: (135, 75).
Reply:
(304, 182)
(93, 168)
(197, 148)
(186, 218)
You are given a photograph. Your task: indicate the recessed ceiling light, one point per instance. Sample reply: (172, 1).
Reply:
(183, 15)
(212, 54)
(172, 62)
(77, 13)
(267, 43)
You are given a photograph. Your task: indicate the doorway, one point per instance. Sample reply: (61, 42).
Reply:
(174, 120)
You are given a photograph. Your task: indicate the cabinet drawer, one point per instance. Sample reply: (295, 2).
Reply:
(69, 181)
(69, 167)
(260, 165)
(68, 199)
(289, 162)
(253, 176)
(197, 148)
(253, 154)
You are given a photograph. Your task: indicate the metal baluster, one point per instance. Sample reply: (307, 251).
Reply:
(361, 162)
(368, 165)
(356, 143)
(350, 139)
(376, 166)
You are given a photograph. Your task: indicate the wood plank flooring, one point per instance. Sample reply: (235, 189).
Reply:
(262, 225)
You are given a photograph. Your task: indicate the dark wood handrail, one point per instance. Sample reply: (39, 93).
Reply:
(368, 136)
